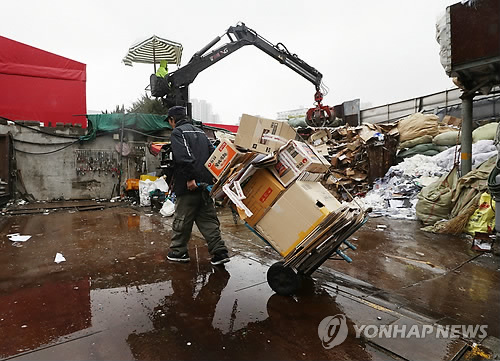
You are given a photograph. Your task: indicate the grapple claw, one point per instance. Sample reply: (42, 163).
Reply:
(321, 115)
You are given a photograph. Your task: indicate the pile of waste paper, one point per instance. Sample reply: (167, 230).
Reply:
(358, 155)
(396, 194)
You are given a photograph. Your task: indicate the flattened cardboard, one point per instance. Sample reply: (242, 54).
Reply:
(318, 138)
(252, 129)
(231, 173)
(302, 207)
(261, 191)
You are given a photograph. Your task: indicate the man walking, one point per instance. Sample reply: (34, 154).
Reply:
(191, 149)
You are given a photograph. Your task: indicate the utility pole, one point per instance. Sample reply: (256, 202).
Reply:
(466, 148)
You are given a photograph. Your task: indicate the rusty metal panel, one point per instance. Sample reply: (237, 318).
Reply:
(351, 112)
(382, 156)
(475, 31)
(5, 168)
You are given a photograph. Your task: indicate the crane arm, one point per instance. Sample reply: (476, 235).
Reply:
(239, 36)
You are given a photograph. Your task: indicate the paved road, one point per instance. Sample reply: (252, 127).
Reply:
(116, 297)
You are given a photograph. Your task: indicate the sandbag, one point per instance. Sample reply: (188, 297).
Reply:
(417, 125)
(435, 201)
(442, 148)
(483, 219)
(448, 138)
(470, 187)
(420, 140)
(428, 149)
(486, 132)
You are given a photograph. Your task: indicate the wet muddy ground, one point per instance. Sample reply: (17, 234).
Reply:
(116, 296)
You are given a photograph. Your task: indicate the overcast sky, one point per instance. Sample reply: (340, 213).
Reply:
(378, 51)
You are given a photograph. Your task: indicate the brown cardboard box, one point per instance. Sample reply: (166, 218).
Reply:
(449, 120)
(261, 192)
(252, 129)
(318, 138)
(296, 158)
(222, 157)
(322, 149)
(296, 213)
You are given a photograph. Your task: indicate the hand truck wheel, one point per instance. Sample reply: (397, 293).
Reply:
(283, 280)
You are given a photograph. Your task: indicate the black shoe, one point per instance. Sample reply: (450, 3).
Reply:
(219, 258)
(175, 257)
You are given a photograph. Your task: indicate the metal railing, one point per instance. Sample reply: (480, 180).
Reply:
(447, 102)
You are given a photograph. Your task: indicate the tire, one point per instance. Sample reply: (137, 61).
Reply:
(283, 280)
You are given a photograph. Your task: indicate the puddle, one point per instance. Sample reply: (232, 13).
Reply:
(116, 297)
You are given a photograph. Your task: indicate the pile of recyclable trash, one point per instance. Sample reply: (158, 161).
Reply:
(395, 195)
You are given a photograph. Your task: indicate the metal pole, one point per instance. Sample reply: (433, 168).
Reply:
(446, 103)
(154, 56)
(120, 161)
(466, 152)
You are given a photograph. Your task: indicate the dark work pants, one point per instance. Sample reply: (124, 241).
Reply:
(192, 207)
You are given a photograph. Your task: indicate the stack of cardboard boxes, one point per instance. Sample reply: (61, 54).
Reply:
(273, 180)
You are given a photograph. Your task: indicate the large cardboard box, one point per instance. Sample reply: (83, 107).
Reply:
(295, 159)
(261, 191)
(253, 131)
(296, 213)
(222, 157)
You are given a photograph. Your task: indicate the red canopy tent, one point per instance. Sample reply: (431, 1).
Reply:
(231, 128)
(41, 86)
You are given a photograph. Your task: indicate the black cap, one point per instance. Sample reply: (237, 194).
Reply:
(176, 111)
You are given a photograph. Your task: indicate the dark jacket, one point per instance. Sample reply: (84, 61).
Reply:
(191, 149)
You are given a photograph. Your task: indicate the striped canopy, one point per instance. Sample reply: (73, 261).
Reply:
(153, 50)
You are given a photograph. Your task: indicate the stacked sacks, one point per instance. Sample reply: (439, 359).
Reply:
(446, 205)
(424, 134)
(417, 133)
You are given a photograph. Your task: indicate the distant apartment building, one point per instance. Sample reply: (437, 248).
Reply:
(295, 117)
(203, 111)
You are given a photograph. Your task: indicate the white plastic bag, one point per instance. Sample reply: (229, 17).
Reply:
(159, 184)
(144, 192)
(168, 208)
(145, 187)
